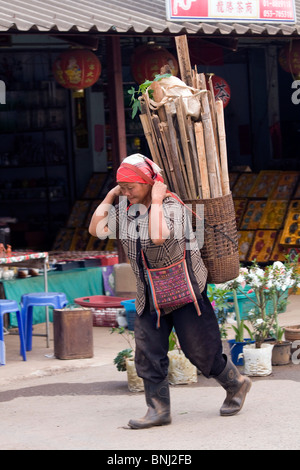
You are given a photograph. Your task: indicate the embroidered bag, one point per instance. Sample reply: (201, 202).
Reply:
(170, 286)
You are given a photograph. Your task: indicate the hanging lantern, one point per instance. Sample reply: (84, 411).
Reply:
(221, 89)
(289, 58)
(147, 60)
(77, 69)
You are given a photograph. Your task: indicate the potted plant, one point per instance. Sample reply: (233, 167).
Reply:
(268, 285)
(124, 360)
(237, 345)
(281, 278)
(220, 298)
(219, 301)
(256, 356)
(181, 370)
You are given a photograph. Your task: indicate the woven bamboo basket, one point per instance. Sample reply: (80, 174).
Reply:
(220, 249)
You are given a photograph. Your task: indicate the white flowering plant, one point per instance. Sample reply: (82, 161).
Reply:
(269, 284)
(261, 326)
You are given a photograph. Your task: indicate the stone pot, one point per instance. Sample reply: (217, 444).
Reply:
(181, 370)
(281, 353)
(257, 361)
(135, 383)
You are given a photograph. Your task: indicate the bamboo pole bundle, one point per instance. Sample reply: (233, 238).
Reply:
(184, 60)
(202, 160)
(148, 131)
(194, 155)
(183, 171)
(164, 130)
(210, 147)
(174, 152)
(223, 148)
(185, 147)
(186, 137)
(190, 148)
(163, 161)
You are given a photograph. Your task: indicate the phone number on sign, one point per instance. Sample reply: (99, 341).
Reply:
(276, 14)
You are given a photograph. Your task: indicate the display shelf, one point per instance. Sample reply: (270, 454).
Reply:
(291, 230)
(36, 185)
(262, 246)
(252, 215)
(75, 236)
(243, 185)
(268, 226)
(264, 184)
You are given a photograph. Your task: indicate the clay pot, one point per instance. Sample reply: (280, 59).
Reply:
(281, 353)
(292, 333)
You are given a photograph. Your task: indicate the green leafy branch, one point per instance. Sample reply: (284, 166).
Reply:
(142, 89)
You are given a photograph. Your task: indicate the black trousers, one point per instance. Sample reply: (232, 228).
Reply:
(199, 338)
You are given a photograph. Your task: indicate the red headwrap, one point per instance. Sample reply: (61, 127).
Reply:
(144, 164)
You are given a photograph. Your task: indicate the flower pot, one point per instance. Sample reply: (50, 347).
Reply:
(281, 353)
(236, 349)
(257, 361)
(135, 383)
(181, 370)
(292, 333)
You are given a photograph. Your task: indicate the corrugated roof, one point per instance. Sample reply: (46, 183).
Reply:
(116, 16)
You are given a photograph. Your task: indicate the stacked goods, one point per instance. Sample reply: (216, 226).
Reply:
(185, 131)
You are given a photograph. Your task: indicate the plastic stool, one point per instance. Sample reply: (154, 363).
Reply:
(9, 306)
(28, 301)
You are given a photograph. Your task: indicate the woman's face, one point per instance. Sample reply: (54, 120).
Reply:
(136, 193)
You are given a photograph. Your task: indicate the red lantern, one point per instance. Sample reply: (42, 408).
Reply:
(77, 69)
(289, 58)
(221, 89)
(147, 61)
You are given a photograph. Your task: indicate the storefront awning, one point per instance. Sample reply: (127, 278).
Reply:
(132, 17)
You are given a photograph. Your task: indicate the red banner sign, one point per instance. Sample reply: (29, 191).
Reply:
(282, 11)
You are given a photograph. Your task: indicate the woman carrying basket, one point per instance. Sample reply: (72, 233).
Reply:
(155, 233)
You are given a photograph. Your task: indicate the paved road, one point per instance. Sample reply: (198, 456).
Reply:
(87, 409)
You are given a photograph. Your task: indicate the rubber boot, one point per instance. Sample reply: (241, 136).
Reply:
(158, 401)
(236, 386)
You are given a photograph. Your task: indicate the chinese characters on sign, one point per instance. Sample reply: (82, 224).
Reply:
(282, 11)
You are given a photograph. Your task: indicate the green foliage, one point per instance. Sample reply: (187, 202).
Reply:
(239, 331)
(120, 359)
(219, 300)
(173, 341)
(142, 89)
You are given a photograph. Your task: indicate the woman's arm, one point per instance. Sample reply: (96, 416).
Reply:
(98, 225)
(158, 228)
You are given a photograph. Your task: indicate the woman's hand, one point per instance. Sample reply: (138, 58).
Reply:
(158, 193)
(98, 224)
(158, 229)
(116, 191)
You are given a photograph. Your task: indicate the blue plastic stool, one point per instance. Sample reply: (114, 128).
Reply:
(9, 306)
(28, 301)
